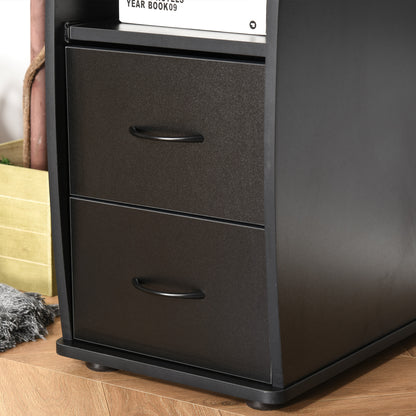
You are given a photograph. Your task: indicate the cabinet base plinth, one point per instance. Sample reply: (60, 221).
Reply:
(259, 396)
(99, 368)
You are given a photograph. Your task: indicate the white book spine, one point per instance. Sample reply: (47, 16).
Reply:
(234, 16)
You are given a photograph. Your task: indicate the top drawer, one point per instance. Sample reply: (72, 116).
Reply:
(111, 92)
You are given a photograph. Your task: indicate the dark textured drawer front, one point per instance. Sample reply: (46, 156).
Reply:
(110, 91)
(226, 331)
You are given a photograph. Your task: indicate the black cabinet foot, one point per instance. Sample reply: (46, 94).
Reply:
(99, 368)
(261, 406)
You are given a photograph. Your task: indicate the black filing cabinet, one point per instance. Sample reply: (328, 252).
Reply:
(234, 212)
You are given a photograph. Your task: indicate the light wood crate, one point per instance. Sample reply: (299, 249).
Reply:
(26, 260)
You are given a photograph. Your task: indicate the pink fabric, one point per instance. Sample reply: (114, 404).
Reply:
(37, 108)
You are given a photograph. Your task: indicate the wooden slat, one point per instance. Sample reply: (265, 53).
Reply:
(25, 258)
(22, 183)
(24, 245)
(13, 151)
(25, 215)
(30, 277)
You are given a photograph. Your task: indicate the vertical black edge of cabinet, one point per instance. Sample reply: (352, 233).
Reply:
(58, 12)
(345, 180)
(270, 190)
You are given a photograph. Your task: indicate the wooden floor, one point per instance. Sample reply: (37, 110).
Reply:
(34, 381)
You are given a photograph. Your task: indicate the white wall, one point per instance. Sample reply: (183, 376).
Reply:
(14, 60)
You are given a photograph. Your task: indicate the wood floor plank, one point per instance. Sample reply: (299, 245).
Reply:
(51, 361)
(384, 385)
(151, 391)
(372, 378)
(391, 405)
(395, 405)
(126, 402)
(33, 391)
(172, 391)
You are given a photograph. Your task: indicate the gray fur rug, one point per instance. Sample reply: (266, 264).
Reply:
(23, 317)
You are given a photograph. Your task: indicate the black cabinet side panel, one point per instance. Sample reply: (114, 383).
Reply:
(346, 176)
(57, 12)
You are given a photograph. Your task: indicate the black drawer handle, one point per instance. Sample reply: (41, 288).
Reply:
(165, 136)
(195, 294)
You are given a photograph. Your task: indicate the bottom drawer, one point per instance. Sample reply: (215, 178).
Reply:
(211, 310)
